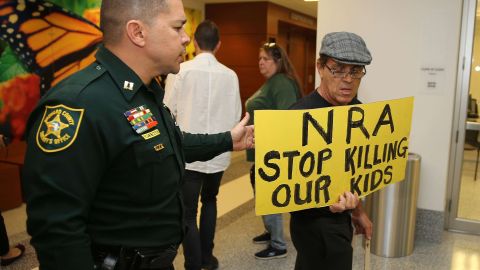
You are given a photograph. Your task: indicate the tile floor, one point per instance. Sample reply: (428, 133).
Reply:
(469, 203)
(238, 224)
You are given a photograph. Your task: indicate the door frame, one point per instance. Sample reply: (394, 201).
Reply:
(452, 222)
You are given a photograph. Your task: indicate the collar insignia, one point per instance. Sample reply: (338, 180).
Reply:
(141, 119)
(58, 128)
(128, 85)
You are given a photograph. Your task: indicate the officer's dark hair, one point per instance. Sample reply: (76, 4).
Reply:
(207, 35)
(114, 14)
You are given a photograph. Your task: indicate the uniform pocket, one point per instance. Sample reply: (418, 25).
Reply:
(152, 160)
(150, 152)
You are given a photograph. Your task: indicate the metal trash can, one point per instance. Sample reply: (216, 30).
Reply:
(393, 213)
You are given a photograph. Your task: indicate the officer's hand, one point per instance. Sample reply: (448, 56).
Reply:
(2, 142)
(362, 223)
(242, 135)
(346, 201)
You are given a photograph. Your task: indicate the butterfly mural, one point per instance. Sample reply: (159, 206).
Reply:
(51, 41)
(46, 43)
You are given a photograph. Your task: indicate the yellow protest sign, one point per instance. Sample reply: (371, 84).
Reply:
(308, 158)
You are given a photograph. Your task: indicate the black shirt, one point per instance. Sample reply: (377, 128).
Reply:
(314, 101)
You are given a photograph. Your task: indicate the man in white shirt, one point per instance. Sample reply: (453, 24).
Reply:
(205, 98)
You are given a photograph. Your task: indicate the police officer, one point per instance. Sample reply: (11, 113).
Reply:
(105, 159)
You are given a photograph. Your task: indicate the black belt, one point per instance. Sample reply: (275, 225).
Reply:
(127, 258)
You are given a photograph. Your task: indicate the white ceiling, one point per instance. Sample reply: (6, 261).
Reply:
(309, 8)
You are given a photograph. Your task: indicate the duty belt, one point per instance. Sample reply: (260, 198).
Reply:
(127, 258)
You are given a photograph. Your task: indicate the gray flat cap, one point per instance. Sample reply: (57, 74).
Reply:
(346, 48)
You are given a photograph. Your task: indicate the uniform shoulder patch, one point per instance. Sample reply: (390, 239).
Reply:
(58, 128)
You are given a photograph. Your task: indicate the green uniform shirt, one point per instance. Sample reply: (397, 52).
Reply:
(104, 164)
(278, 93)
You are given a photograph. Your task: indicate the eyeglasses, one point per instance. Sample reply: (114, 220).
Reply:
(273, 49)
(354, 73)
(270, 44)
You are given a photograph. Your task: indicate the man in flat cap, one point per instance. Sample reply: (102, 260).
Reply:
(322, 236)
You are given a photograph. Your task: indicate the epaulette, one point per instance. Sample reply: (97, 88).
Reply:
(67, 90)
(73, 85)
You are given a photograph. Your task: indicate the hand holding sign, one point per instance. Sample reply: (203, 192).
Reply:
(347, 201)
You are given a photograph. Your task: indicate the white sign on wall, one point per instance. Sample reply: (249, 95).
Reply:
(432, 80)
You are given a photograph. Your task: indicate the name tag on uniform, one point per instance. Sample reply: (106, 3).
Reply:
(151, 134)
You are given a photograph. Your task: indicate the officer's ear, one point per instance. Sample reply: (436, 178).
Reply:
(135, 32)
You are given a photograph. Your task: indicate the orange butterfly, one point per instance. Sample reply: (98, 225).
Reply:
(51, 41)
